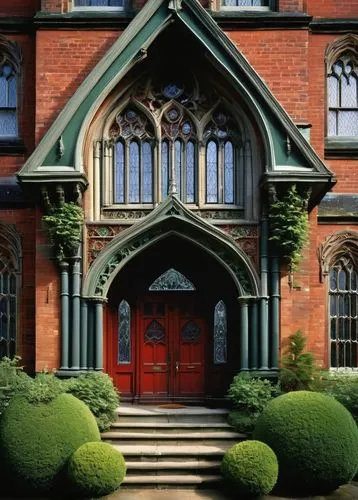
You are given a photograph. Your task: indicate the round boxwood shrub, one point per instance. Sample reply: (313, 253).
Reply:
(38, 439)
(251, 468)
(96, 469)
(315, 439)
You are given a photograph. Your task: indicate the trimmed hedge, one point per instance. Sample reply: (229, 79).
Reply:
(38, 439)
(315, 439)
(251, 468)
(96, 469)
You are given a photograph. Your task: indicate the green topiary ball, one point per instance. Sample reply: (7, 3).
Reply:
(38, 439)
(251, 468)
(315, 439)
(96, 469)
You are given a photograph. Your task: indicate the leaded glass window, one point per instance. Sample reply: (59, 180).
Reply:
(343, 301)
(133, 159)
(247, 3)
(220, 333)
(8, 289)
(220, 160)
(8, 101)
(343, 99)
(124, 333)
(173, 281)
(98, 4)
(171, 140)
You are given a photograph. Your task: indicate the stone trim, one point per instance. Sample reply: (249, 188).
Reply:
(336, 246)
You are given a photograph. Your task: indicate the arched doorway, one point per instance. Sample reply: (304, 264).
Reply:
(176, 340)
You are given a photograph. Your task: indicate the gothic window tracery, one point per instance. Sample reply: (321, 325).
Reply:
(220, 333)
(124, 333)
(172, 139)
(342, 87)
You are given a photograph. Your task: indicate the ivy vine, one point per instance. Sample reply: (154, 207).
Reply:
(289, 227)
(64, 224)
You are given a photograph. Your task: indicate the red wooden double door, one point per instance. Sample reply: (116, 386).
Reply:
(167, 348)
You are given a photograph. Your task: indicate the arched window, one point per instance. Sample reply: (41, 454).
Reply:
(342, 87)
(124, 333)
(171, 140)
(343, 98)
(343, 302)
(133, 159)
(10, 260)
(10, 61)
(220, 333)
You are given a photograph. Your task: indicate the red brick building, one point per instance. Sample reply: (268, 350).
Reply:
(175, 125)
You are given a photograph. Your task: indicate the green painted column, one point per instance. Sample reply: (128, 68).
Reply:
(76, 314)
(244, 339)
(264, 317)
(98, 334)
(64, 299)
(254, 334)
(90, 336)
(84, 335)
(275, 312)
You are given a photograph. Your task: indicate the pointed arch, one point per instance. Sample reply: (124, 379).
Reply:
(335, 247)
(171, 217)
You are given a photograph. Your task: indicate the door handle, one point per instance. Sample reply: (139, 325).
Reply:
(177, 366)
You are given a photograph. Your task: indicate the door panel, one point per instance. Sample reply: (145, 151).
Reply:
(190, 365)
(154, 340)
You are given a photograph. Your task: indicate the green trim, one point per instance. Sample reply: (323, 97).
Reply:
(171, 217)
(276, 126)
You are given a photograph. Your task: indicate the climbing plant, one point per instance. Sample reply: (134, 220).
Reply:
(289, 224)
(64, 224)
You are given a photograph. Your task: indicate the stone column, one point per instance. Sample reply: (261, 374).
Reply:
(64, 298)
(275, 312)
(264, 319)
(244, 339)
(76, 304)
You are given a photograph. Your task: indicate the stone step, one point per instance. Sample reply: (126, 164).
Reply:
(165, 480)
(150, 414)
(170, 426)
(179, 465)
(165, 452)
(173, 435)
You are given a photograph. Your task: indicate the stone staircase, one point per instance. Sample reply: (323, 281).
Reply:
(166, 448)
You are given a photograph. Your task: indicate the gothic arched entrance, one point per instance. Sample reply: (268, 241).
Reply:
(172, 325)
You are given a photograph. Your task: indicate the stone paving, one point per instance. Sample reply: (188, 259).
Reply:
(347, 492)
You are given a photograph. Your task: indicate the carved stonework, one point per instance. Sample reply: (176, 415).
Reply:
(124, 214)
(345, 46)
(98, 237)
(245, 237)
(343, 245)
(10, 54)
(220, 214)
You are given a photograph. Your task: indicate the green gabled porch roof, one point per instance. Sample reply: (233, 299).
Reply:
(289, 156)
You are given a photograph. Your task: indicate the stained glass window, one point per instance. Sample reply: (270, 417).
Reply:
(133, 159)
(221, 158)
(124, 333)
(190, 333)
(171, 280)
(154, 333)
(220, 333)
(152, 150)
(343, 307)
(8, 101)
(7, 309)
(343, 99)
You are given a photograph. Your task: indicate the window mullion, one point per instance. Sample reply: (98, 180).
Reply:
(127, 173)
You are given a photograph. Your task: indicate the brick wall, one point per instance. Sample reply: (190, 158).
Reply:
(64, 59)
(291, 5)
(280, 58)
(19, 7)
(333, 8)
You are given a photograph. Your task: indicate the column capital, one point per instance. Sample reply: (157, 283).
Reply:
(95, 300)
(246, 299)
